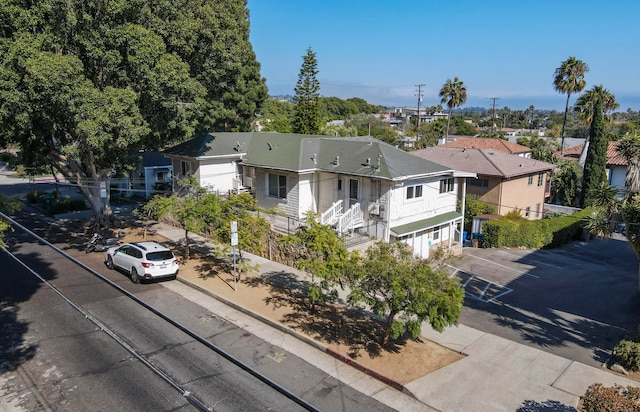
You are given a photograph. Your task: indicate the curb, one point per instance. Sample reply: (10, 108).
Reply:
(345, 359)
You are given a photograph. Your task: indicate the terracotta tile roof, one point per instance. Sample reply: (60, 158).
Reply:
(485, 143)
(485, 162)
(613, 157)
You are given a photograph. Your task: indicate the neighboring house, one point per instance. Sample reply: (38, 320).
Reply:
(353, 184)
(462, 142)
(152, 175)
(506, 181)
(616, 163)
(214, 158)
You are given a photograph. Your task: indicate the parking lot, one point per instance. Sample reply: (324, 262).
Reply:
(576, 301)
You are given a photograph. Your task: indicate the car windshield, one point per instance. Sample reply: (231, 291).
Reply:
(162, 255)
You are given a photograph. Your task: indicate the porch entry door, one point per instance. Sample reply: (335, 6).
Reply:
(354, 190)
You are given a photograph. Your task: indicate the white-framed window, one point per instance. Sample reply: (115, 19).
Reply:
(160, 176)
(530, 182)
(540, 179)
(446, 185)
(537, 210)
(277, 186)
(414, 192)
(527, 212)
(436, 233)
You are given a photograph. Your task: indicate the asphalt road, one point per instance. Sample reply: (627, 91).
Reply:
(92, 370)
(577, 301)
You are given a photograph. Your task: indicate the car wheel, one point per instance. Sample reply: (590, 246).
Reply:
(109, 262)
(134, 276)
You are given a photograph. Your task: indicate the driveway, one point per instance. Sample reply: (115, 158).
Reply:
(576, 301)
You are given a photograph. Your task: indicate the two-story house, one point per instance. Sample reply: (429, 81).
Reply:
(506, 181)
(353, 184)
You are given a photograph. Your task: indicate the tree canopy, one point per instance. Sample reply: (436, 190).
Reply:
(306, 119)
(84, 86)
(453, 94)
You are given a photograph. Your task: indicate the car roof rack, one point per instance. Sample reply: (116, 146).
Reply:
(139, 245)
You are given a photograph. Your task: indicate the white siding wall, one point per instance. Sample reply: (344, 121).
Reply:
(217, 175)
(432, 202)
(306, 200)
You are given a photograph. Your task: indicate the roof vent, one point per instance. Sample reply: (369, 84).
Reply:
(315, 159)
(336, 161)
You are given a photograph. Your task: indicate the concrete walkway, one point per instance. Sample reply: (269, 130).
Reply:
(497, 374)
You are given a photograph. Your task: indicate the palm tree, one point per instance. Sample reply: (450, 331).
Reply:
(569, 78)
(586, 103)
(454, 94)
(629, 148)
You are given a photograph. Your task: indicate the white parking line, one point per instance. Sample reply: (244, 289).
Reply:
(481, 297)
(532, 260)
(503, 266)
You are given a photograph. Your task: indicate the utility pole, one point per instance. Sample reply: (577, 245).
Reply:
(493, 114)
(419, 94)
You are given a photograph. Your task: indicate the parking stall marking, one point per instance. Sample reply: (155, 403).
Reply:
(503, 266)
(478, 288)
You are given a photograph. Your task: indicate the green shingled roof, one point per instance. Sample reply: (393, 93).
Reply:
(425, 223)
(213, 144)
(363, 156)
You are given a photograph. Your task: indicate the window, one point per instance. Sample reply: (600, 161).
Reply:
(185, 168)
(446, 185)
(354, 192)
(436, 233)
(160, 176)
(277, 186)
(414, 192)
(537, 210)
(339, 184)
(478, 182)
(540, 179)
(527, 212)
(530, 182)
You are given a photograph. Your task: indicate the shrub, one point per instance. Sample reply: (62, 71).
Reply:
(34, 197)
(600, 398)
(628, 352)
(515, 231)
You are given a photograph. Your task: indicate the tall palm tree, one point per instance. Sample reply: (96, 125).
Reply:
(569, 78)
(454, 94)
(586, 103)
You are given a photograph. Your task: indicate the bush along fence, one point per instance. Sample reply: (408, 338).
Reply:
(534, 234)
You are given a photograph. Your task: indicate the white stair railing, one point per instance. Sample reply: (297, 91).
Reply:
(351, 219)
(331, 215)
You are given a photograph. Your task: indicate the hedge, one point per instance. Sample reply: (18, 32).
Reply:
(533, 234)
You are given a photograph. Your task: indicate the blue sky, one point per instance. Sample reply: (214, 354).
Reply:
(380, 51)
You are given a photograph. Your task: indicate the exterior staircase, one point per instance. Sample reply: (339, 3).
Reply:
(343, 222)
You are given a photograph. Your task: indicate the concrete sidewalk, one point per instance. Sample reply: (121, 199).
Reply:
(497, 374)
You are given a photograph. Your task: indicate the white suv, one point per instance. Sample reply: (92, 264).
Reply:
(143, 260)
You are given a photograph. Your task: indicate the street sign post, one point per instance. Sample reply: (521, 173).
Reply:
(234, 243)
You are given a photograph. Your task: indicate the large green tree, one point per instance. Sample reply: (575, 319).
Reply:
(569, 79)
(85, 85)
(453, 94)
(595, 167)
(307, 119)
(403, 291)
